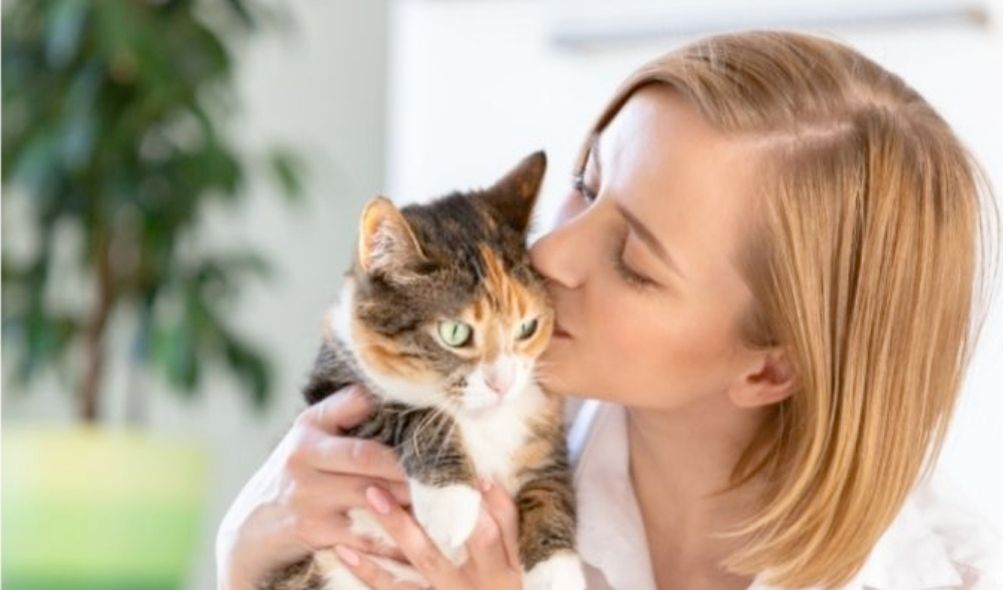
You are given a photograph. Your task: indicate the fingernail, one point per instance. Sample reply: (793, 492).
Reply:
(485, 484)
(348, 556)
(378, 500)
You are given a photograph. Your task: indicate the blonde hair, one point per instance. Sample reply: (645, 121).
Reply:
(863, 262)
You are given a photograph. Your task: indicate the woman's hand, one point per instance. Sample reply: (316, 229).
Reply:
(493, 554)
(296, 502)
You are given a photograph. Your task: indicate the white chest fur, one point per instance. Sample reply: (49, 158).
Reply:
(493, 439)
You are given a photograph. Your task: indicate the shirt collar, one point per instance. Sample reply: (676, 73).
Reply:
(611, 535)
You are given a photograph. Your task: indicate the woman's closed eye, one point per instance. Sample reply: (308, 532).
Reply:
(579, 184)
(635, 279)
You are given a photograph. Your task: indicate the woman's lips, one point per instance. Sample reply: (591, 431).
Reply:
(560, 332)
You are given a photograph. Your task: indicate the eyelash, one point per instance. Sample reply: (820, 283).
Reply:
(634, 279)
(580, 187)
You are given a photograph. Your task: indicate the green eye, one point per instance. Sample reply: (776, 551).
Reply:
(526, 329)
(454, 333)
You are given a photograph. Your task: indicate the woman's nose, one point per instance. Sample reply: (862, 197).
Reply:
(562, 255)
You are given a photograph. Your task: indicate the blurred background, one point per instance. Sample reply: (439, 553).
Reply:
(182, 182)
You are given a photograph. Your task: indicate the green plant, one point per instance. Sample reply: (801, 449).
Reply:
(113, 131)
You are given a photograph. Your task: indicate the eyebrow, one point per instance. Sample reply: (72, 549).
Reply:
(639, 228)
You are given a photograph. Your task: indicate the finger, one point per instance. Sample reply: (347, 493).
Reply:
(487, 551)
(369, 572)
(504, 512)
(337, 492)
(378, 548)
(354, 456)
(325, 534)
(421, 552)
(322, 504)
(345, 491)
(322, 531)
(341, 410)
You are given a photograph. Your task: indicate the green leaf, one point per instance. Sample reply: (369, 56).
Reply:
(64, 31)
(78, 136)
(251, 369)
(176, 354)
(35, 165)
(288, 170)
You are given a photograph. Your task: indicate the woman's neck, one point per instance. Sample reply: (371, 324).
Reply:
(677, 457)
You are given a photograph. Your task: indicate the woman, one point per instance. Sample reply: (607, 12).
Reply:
(765, 270)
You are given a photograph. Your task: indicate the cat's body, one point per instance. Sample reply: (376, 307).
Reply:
(426, 323)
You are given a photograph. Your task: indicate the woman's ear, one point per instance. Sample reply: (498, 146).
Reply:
(769, 379)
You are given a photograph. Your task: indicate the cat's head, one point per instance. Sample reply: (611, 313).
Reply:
(446, 309)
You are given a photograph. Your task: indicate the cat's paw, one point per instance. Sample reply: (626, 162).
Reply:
(448, 515)
(561, 571)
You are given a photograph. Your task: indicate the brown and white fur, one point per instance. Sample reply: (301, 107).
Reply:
(452, 413)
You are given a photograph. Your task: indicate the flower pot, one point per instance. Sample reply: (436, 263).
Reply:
(94, 508)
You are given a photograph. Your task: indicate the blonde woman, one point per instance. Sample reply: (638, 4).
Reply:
(767, 274)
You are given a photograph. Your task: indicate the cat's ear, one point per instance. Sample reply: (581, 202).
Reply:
(386, 241)
(512, 198)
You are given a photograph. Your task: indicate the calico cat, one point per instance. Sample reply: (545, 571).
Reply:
(442, 318)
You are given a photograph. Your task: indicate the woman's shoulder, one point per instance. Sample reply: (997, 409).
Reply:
(934, 541)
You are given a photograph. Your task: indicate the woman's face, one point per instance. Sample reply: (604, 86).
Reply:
(639, 263)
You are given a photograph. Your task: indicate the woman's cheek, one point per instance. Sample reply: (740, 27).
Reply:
(627, 336)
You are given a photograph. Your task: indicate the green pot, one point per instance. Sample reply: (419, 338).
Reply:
(94, 508)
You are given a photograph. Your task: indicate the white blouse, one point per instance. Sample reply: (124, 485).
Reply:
(930, 544)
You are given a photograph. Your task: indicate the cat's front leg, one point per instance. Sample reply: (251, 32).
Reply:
(448, 513)
(547, 534)
(441, 478)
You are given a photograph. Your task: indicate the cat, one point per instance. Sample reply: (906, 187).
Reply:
(441, 317)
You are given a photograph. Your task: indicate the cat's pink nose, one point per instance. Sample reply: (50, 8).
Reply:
(499, 384)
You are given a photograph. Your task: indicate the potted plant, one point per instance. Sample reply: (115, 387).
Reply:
(113, 133)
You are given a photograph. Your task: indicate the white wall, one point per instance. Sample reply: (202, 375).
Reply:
(476, 85)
